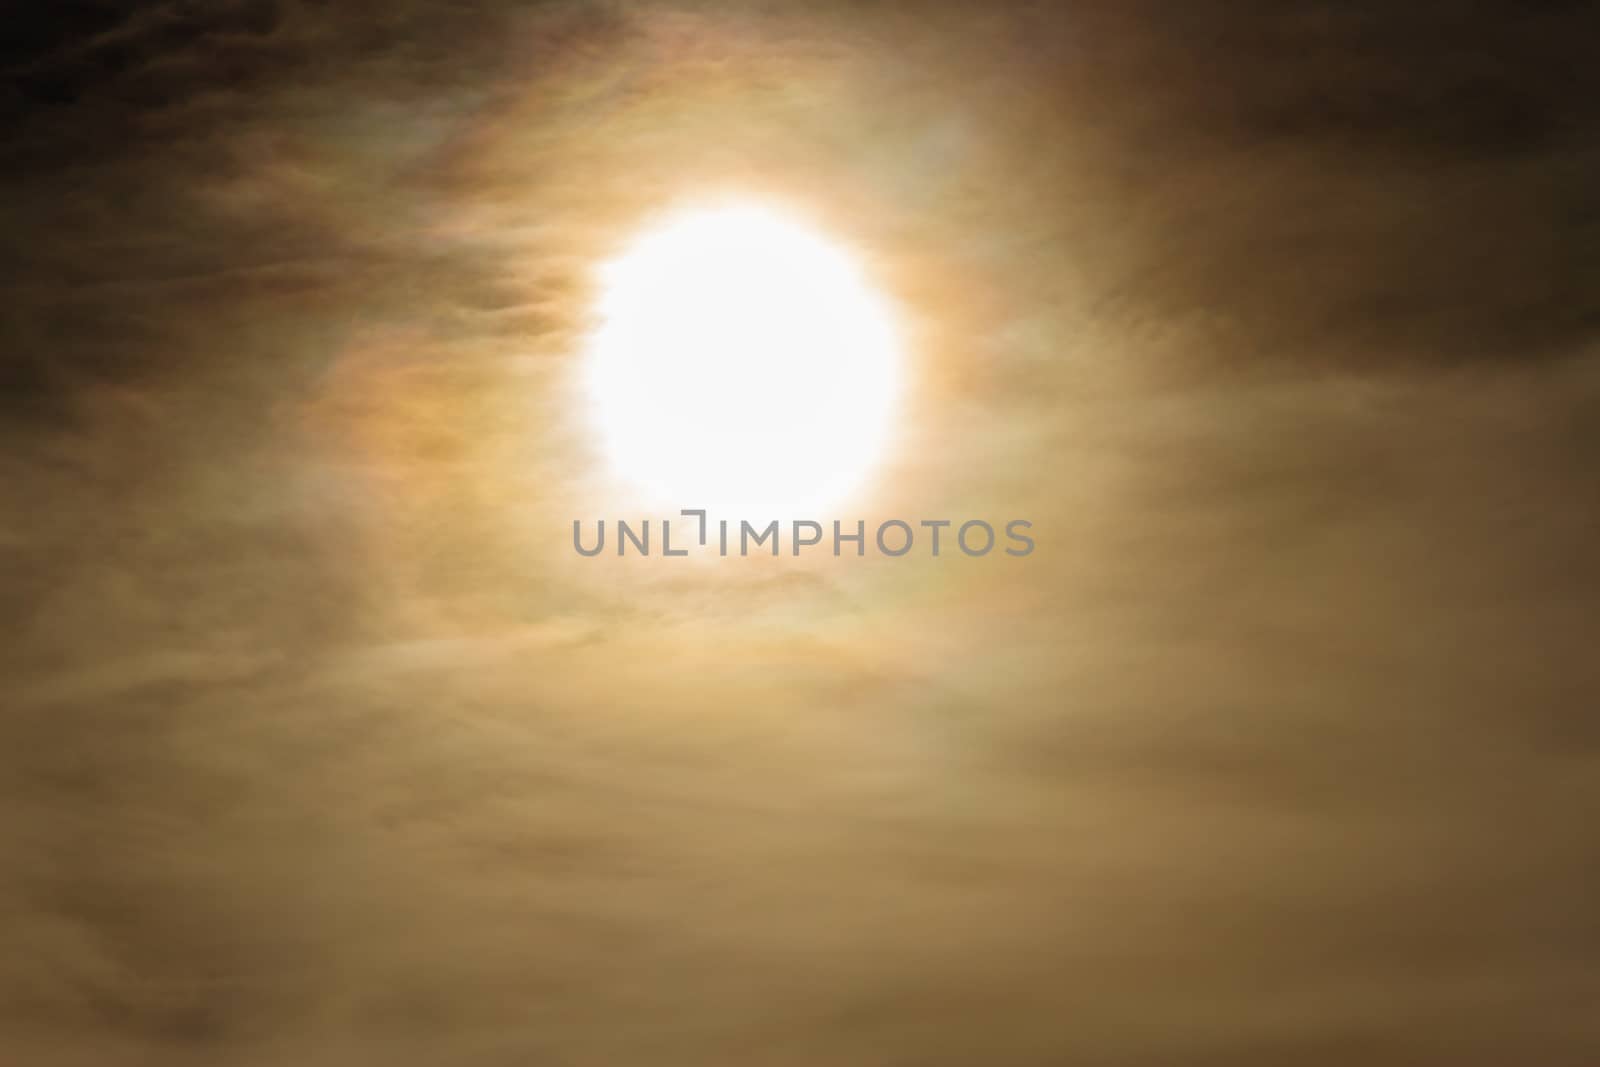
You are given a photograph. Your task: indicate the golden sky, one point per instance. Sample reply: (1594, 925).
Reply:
(320, 745)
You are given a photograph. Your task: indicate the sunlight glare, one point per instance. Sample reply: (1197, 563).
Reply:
(742, 363)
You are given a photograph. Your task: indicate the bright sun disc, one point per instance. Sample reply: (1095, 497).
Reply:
(741, 363)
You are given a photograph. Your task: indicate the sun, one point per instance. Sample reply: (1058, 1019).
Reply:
(743, 363)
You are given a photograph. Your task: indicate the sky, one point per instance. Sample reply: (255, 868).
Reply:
(319, 744)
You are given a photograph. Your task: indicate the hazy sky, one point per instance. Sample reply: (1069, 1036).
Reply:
(320, 746)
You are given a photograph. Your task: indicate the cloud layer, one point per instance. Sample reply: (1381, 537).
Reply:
(322, 747)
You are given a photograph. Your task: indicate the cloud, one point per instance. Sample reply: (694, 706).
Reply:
(322, 746)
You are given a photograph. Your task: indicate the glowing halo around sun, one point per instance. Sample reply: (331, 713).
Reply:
(743, 363)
